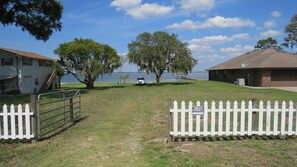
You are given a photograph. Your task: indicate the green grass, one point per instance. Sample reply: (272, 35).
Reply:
(126, 125)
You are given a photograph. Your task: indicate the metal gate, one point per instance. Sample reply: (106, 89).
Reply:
(55, 110)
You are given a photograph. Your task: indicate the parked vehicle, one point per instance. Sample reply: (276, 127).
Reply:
(140, 81)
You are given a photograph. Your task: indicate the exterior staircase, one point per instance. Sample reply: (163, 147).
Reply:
(48, 82)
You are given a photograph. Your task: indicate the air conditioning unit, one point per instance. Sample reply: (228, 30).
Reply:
(240, 81)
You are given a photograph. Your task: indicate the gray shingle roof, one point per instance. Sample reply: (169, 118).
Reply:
(260, 59)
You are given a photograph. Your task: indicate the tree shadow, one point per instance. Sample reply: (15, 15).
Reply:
(166, 84)
(99, 88)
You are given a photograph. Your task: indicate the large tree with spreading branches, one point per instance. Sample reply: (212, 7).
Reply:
(85, 59)
(39, 17)
(159, 52)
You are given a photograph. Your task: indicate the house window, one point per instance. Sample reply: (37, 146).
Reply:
(48, 63)
(36, 81)
(41, 63)
(7, 61)
(225, 73)
(27, 62)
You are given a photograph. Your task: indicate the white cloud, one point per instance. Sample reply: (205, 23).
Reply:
(209, 58)
(197, 5)
(270, 33)
(275, 14)
(198, 49)
(137, 10)
(241, 36)
(125, 4)
(237, 50)
(214, 40)
(218, 21)
(148, 10)
(269, 24)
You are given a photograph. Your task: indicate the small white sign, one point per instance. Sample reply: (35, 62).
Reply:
(197, 110)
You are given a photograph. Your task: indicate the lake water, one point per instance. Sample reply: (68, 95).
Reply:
(115, 77)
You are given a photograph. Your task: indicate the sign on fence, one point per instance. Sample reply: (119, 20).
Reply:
(232, 119)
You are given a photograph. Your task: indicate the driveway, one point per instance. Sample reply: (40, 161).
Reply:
(291, 89)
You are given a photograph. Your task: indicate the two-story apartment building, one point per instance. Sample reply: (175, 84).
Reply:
(25, 72)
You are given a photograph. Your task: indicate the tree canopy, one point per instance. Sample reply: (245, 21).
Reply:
(88, 59)
(39, 17)
(159, 52)
(291, 31)
(267, 43)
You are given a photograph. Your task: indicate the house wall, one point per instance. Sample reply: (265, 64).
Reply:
(251, 77)
(33, 77)
(8, 71)
(29, 78)
(256, 77)
(265, 78)
(287, 77)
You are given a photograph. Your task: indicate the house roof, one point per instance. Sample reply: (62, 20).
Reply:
(27, 54)
(260, 59)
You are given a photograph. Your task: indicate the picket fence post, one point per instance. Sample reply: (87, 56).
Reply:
(283, 119)
(268, 119)
(250, 118)
(198, 122)
(5, 122)
(228, 118)
(220, 118)
(190, 118)
(175, 120)
(235, 110)
(205, 119)
(290, 124)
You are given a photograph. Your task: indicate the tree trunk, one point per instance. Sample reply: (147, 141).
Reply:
(157, 79)
(90, 85)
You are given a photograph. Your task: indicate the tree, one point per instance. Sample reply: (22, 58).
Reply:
(59, 70)
(38, 17)
(88, 59)
(291, 30)
(267, 43)
(159, 52)
(123, 78)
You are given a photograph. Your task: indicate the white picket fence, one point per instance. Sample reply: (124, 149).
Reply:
(233, 120)
(16, 125)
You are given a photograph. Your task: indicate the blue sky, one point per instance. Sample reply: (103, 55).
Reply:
(216, 30)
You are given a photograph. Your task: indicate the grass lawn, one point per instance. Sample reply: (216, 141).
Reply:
(127, 125)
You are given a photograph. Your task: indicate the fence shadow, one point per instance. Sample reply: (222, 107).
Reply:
(63, 129)
(28, 141)
(230, 138)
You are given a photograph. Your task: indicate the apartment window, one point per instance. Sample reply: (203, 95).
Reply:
(48, 63)
(41, 63)
(36, 81)
(27, 62)
(7, 61)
